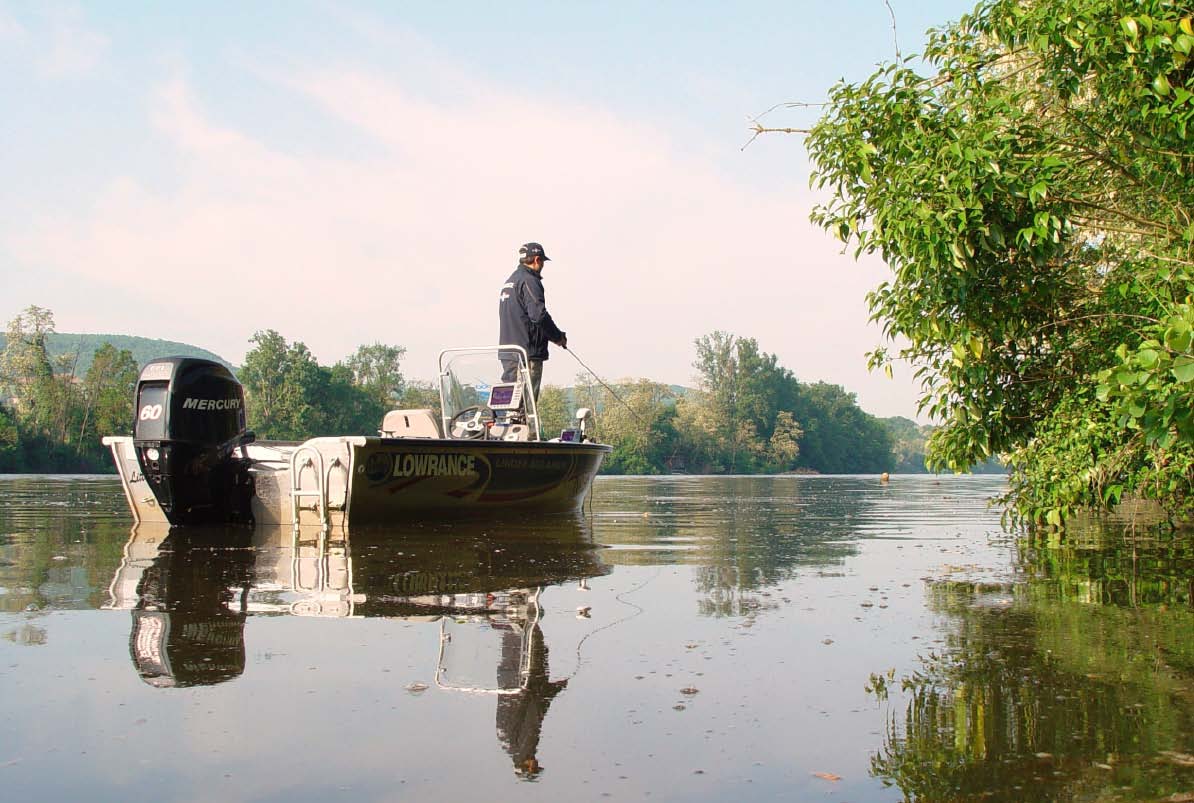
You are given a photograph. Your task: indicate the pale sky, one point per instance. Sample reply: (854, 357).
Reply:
(349, 173)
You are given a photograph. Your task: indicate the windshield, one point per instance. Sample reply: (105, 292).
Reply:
(489, 377)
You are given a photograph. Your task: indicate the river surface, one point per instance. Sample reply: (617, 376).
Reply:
(688, 638)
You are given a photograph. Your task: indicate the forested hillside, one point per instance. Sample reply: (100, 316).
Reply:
(142, 349)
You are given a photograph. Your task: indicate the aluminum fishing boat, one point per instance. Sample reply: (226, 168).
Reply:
(191, 459)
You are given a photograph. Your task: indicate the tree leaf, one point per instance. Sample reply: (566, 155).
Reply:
(1183, 369)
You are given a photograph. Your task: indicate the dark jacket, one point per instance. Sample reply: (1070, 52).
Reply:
(523, 314)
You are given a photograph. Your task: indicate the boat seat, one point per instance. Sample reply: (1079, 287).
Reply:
(410, 424)
(517, 432)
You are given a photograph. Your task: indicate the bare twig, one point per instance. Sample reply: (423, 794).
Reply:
(894, 36)
(788, 104)
(1161, 258)
(761, 129)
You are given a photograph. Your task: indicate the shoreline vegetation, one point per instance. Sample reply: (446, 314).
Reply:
(1029, 181)
(747, 415)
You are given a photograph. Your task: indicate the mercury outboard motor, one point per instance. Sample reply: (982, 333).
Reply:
(190, 424)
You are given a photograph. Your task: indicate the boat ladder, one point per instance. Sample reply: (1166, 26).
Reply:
(322, 506)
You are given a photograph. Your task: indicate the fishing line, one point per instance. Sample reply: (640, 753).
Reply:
(638, 611)
(612, 392)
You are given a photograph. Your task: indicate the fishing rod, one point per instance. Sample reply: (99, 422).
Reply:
(612, 392)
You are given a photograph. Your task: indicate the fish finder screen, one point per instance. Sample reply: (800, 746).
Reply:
(504, 397)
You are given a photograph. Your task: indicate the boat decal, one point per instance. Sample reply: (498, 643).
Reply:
(430, 464)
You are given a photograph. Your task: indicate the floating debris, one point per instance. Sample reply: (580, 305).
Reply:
(690, 690)
(827, 776)
(416, 687)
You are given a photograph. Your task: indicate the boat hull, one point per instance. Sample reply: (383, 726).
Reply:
(394, 477)
(368, 480)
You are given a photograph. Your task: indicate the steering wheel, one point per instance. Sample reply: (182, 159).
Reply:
(471, 423)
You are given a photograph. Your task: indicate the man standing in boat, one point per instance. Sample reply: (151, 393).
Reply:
(523, 315)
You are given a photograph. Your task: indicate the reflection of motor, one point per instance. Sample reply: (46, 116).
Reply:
(190, 422)
(173, 650)
(189, 625)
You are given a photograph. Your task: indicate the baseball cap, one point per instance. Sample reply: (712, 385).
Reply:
(532, 250)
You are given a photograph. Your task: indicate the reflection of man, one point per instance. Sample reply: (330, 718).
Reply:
(523, 316)
(520, 715)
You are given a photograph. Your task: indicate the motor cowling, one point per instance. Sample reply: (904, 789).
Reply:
(188, 436)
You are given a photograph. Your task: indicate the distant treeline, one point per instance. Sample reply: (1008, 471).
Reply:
(747, 415)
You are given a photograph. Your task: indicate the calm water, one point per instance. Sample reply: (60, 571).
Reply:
(790, 638)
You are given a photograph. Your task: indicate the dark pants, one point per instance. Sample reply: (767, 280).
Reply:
(510, 373)
(536, 367)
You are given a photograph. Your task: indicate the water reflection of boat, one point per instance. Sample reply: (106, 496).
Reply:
(191, 590)
(192, 461)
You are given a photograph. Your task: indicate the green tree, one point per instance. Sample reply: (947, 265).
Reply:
(839, 437)
(346, 407)
(908, 444)
(107, 394)
(784, 445)
(1033, 196)
(376, 368)
(637, 424)
(418, 395)
(10, 443)
(554, 412)
(739, 393)
(48, 420)
(28, 372)
(282, 381)
(290, 396)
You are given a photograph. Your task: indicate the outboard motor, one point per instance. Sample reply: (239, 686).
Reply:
(190, 424)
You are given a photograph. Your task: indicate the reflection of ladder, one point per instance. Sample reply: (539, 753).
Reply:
(313, 460)
(328, 564)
